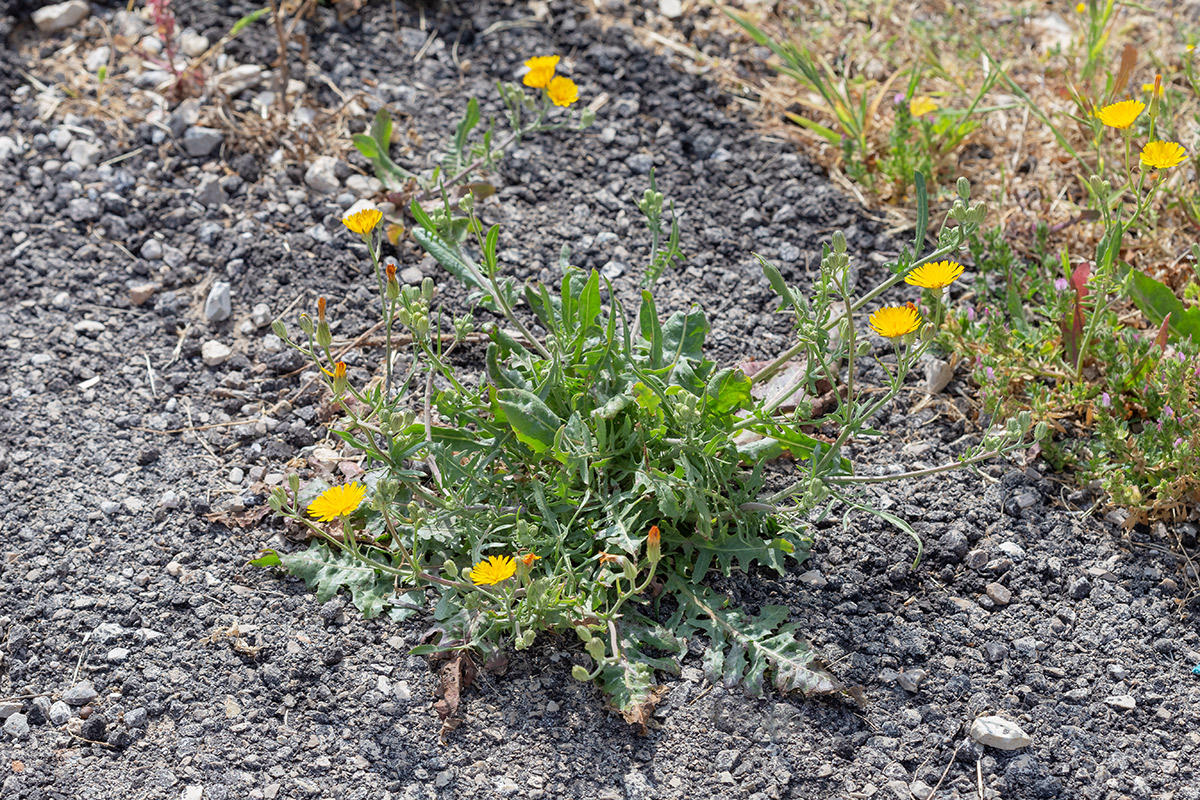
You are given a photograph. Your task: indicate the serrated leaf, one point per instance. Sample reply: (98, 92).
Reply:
(328, 570)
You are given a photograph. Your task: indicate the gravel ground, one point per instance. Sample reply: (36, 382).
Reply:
(141, 658)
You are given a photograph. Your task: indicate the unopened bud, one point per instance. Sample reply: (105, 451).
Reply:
(583, 633)
(839, 242)
(393, 285)
(526, 640)
(964, 189)
(280, 329)
(595, 649)
(276, 499)
(427, 288)
(306, 324)
(580, 674)
(320, 309)
(654, 545)
(339, 377)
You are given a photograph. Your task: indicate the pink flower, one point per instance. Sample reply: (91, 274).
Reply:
(1061, 284)
(1105, 400)
(970, 313)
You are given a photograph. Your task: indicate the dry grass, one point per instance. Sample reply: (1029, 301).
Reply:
(1013, 159)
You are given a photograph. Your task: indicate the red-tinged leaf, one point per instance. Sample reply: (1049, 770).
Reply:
(1161, 339)
(1079, 279)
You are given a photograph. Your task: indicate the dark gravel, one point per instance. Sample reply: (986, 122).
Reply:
(130, 619)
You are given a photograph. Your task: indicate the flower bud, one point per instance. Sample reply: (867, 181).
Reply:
(839, 242)
(392, 287)
(583, 633)
(427, 288)
(280, 329)
(595, 649)
(964, 189)
(654, 545)
(324, 337)
(294, 482)
(306, 324)
(526, 640)
(580, 674)
(320, 309)
(276, 499)
(339, 377)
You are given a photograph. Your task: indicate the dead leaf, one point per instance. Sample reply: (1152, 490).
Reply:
(454, 678)
(239, 519)
(641, 713)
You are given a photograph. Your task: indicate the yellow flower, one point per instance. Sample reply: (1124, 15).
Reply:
(1190, 47)
(1121, 115)
(935, 275)
(1081, 8)
(1163, 155)
(920, 106)
(492, 570)
(363, 222)
(1149, 87)
(541, 70)
(337, 501)
(893, 321)
(529, 558)
(562, 91)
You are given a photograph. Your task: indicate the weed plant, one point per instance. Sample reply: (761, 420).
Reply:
(598, 468)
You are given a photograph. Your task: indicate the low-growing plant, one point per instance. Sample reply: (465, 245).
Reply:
(590, 475)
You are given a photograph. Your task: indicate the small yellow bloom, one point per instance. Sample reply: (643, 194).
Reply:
(337, 501)
(1163, 155)
(1149, 87)
(935, 275)
(893, 321)
(1121, 115)
(920, 106)
(492, 570)
(1190, 47)
(529, 558)
(363, 222)
(562, 91)
(1081, 8)
(541, 70)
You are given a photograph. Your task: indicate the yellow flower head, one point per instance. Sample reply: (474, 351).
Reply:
(529, 558)
(893, 321)
(1163, 155)
(920, 106)
(562, 91)
(541, 70)
(492, 570)
(1149, 88)
(337, 501)
(363, 222)
(934, 275)
(1121, 115)
(1190, 47)
(1081, 8)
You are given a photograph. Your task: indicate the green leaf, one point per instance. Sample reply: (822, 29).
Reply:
(328, 570)
(588, 311)
(534, 423)
(464, 127)
(1158, 302)
(727, 391)
(651, 331)
(684, 334)
(365, 145)
(268, 559)
(381, 130)
(444, 254)
(247, 20)
(922, 211)
(777, 282)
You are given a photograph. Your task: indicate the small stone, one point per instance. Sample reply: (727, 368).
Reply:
(88, 326)
(412, 276)
(8, 708)
(240, 78)
(260, 315)
(215, 353)
(151, 249)
(118, 655)
(640, 163)
(321, 175)
(236, 475)
(193, 44)
(671, 9)
(109, 507)
(94, 728)
(1000, 594)
(60, 712)
(210, 192)
(60, 16)
(135, 718)
(232, 709)
(201, 141)
(1118, 672)
(910, 680)
(219, 305)
(174, 569)
(977, 559)
(85, 154)
(1000, 733)
(1079, 588)
(920, 790)
(1122, 702)
(134, 504)
(139, 294)
(814, 578)
(937, 375)
(80, 694)
(17, 726)
(193, 792)
(363, 186)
